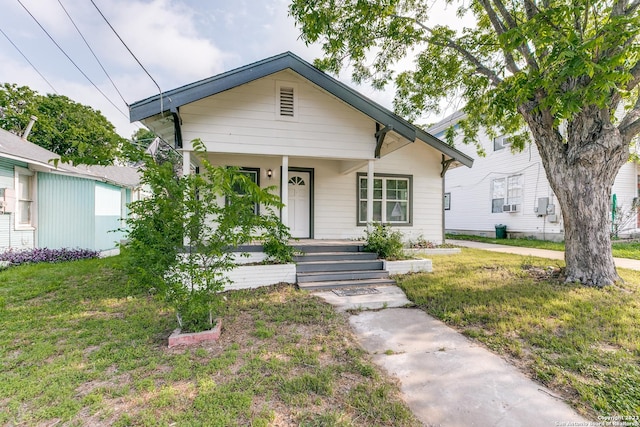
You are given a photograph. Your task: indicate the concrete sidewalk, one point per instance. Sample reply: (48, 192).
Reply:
(446, 379)
(631, 264)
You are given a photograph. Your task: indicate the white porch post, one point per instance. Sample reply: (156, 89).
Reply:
(370, 177)
(186, 170)
(284, 190)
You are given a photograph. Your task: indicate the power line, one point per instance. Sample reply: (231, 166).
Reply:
(92, 52)
(30, 63)
(71, 60)
(127, 47)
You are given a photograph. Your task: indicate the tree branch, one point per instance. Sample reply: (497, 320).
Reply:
(500, 29)
(448, 42)
(632, 7)
(630, 125)
(635, 73)
(523, 48)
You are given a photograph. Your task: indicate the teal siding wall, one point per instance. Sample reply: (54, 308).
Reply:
(65, 212)
(9, 236)
(108, 212)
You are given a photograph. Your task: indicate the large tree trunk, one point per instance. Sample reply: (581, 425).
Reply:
(581, 168)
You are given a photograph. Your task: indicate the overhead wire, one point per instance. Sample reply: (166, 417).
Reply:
(30, 63)
(93, 53)
(132, 54)
(72, 61)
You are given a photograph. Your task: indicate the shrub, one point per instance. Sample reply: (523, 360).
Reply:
(36, 255)
(385, 242)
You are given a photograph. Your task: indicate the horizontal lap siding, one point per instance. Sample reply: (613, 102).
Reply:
(335, 193)
(9, 236)
(471, 192)
(243, 120)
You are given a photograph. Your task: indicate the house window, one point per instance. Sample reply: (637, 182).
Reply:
(391, 199)
(254, 175)
(500, 142)
(506, 192)
(24, 197)
(287, 101)
(447, 201)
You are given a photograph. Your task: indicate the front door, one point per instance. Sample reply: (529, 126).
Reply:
(299, 204)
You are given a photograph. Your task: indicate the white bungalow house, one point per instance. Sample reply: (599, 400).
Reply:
(511, 189)
(338, 159)
(63, 206)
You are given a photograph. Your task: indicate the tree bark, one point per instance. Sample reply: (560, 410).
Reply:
(581, 168)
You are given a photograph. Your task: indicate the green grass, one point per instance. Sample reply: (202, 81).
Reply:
(582, 342)
(620, 248)
(80, 346)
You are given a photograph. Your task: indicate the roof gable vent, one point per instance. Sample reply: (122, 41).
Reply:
(287, 100)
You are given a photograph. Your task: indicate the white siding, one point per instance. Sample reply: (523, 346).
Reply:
(470, 190)
(335, 193)
(244, 120)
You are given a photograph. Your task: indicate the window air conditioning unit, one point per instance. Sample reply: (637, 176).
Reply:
(510, 208)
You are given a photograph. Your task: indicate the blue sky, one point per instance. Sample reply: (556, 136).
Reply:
(178, 42)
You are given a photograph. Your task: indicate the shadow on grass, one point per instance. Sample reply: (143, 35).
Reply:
(582, 342)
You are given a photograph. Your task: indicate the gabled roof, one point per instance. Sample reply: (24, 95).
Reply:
(15, 148)
(173, 99)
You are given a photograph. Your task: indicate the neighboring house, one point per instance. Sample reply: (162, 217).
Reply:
(319, 142)
(65, 206)
(506, 188)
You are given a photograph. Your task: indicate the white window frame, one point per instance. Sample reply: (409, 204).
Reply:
(510, 192)
(361, 191)
(289, 85)
(18, 171)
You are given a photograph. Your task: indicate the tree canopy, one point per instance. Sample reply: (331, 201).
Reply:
(567, 70)
(77, 133)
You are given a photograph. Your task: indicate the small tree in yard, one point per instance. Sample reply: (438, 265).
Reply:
(562, 68)
(215, 212)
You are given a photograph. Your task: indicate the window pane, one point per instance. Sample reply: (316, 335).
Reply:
(24, 190)
(363, 194)
(363, 211)
(377, 183)
(377, 211)
(496, 205)
(377, 194)
(498, 190)
(397, 211)
(24, 212)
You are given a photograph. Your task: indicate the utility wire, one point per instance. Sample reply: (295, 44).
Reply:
(30, 63)
(71, 60)
(127, 47)
(92, 52)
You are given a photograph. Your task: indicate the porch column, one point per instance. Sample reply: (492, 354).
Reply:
(284, 190)
(186, 162)
(370, 177)
(186, 170)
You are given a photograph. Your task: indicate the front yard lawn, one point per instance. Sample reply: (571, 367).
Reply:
(620, 248)
(79, 346)
(583, 343)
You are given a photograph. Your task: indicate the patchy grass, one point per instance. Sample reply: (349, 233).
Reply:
(584, 343)
(81, 347)
(620, 248)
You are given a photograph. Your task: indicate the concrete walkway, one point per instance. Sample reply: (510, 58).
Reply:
(446, 379)
(631, 264)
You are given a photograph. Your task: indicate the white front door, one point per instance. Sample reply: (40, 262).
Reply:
(299, 204)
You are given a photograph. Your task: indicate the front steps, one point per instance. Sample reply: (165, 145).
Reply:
(325, 267)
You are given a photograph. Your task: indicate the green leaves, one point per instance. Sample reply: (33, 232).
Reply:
(77, 133)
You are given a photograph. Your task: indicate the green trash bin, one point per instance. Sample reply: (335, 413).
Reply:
(501, 231)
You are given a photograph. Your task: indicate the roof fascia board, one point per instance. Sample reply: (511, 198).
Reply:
(225, 81)
(26, 160)
(431, 140)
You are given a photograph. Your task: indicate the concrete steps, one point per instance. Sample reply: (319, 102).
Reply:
(325, 267)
